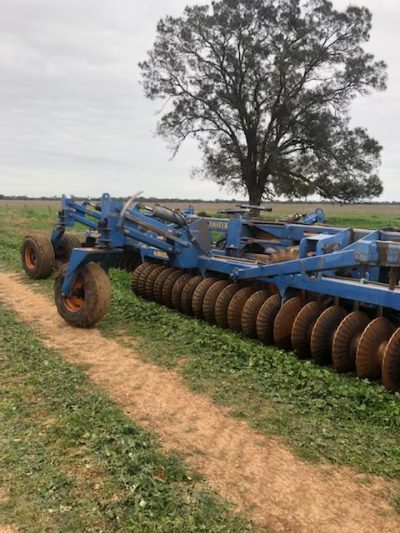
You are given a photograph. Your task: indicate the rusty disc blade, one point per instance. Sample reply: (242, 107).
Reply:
(322, 334)
(236, 305)
(391, 363)
(159, 283)
(141, 285)
(371, 348)
(346, 340)
(266, 318)
(177, 290)
(187, 294)
(168, 286)
(210, 298)
(284, 321)
(151, 278)
(302, 328)
(136, 275)
(199, 293)
(222, 304)
(250, 311)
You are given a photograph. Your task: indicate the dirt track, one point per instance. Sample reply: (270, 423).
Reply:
(263, 479)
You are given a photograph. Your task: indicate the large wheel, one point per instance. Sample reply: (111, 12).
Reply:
(89, 299)
(37, 256)
(64, 246)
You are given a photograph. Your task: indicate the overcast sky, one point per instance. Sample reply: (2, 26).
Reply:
(73, 118)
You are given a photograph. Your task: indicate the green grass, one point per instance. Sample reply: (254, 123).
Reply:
(71, 461)
(322, 416)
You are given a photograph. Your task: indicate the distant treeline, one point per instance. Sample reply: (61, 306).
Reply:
(189, 200)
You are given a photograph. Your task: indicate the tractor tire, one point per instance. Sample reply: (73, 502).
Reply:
(37, 256)
(63, 249)
(90, 297)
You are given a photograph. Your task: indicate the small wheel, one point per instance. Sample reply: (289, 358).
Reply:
(199, 294)
(222, 304)
(64, 246)
(187, 294)
(89, 299)
(37, 256)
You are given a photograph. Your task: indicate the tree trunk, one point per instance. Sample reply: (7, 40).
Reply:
(254, 199)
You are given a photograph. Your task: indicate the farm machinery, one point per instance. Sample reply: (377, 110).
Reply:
(327, 293)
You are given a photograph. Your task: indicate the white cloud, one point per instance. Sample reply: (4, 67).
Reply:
(73, 117)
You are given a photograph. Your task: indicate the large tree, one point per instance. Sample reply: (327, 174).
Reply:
(265, 86)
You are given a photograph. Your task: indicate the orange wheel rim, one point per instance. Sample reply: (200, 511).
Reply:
(30, 257)
(76, 300)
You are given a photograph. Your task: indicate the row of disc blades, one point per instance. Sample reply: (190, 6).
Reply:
(316, 329)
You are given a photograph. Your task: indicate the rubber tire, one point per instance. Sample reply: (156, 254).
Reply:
(169, 285)
(222, 304)
(141, 285)
(199, 294)
(236, 306)
(64, 248)
(97, 296)
(150, 281)
(210, 299)
(44, 254)
(177, 289)
(187, 294)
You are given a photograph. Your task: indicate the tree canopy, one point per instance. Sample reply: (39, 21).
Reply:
(265, 86)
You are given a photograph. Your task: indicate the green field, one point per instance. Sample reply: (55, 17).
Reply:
(322, 416)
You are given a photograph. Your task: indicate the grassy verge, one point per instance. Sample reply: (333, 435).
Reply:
(323, 416)
(71, 461)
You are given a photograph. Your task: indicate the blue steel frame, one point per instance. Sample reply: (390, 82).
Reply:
(324, 252)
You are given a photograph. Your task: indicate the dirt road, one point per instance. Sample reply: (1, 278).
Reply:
(260, 476)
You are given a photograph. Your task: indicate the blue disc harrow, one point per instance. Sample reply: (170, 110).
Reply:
(327, 293)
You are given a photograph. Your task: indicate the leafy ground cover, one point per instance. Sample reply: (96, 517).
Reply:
(71, 461)
(323, 416)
